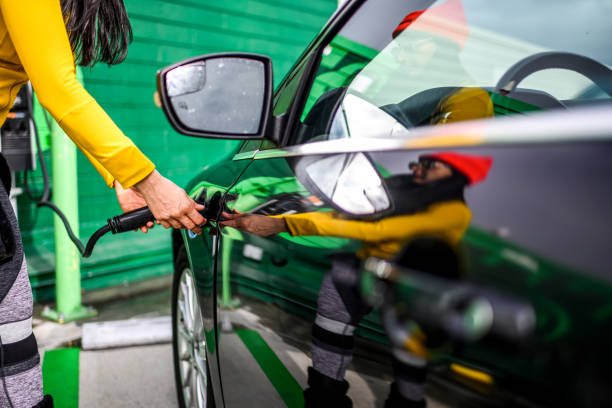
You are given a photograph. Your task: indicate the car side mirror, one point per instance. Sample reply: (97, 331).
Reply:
(222, 96)
(349, 182)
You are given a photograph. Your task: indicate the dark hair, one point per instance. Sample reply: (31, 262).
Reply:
(99, 30)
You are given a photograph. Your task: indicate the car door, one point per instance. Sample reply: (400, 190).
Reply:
(201, 252)
(354, 99)
(270, 285)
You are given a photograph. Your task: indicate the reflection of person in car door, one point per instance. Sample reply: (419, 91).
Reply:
(433, 42)
(429, 53)
(429, 202)
(427, 45)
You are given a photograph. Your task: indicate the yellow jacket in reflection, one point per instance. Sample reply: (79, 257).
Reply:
(447, 220)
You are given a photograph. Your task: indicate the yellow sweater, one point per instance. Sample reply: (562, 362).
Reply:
(34, 46)
(384, 238)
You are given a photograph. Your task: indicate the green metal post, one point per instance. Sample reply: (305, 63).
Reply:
(67, 256)
(226, 301)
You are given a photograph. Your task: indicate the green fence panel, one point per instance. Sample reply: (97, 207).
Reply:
(165, 31)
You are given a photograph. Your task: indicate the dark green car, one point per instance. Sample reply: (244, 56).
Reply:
(497, 286)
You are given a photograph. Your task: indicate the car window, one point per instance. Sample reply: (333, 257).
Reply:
(252, 145)
(398, 65)
(249, 146)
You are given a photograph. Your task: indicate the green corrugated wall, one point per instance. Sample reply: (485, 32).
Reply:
(165, 31)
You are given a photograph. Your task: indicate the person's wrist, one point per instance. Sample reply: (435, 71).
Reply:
(282, 225)
(148, 183)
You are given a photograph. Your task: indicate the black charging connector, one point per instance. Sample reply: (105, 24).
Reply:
(131, 220)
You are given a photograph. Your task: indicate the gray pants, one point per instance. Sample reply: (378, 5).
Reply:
(340, 308)
(21, 372)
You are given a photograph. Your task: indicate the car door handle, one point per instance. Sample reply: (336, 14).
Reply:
(277, 261)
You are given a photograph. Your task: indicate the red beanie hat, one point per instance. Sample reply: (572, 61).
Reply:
(409, 19)
(445, 20)
(475, 168)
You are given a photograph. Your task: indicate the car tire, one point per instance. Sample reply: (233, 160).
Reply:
(191, 372)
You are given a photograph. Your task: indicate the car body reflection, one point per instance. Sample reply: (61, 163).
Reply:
(418, 224)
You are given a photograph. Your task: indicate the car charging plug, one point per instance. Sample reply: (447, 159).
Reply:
(135, 219)
(128, 221)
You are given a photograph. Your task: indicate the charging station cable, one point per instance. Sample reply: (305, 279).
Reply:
(125, 222)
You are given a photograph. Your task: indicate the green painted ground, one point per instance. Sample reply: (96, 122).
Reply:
(60, 370)
(288, 388)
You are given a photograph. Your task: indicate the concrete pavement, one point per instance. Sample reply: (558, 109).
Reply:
(143, 376)
(128, 377)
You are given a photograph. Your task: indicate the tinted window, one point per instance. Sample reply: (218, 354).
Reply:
(424, 63)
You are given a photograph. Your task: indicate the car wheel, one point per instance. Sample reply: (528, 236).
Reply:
(191, 372)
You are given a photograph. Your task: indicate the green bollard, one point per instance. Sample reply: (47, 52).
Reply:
(67, 256)
(226, 301)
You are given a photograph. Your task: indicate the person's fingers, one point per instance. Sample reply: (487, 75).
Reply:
(169, 203)
(174, 223)
(229, 223)
(146, 228)
(195, 217)
(186, 222)
(231, 216)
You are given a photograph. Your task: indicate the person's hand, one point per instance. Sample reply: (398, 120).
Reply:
(261, 225)
(131, 200)
(169, 203)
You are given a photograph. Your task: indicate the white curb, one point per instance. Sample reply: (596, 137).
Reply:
(123, 333)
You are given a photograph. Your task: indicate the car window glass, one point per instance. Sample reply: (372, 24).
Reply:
(252, 145)
(287, 90)
(410, 64)
(249, 146)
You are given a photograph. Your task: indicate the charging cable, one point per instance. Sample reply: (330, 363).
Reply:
(125, 222)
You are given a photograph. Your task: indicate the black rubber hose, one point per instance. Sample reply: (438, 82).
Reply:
(43, 201)
(60, 214)
(84, 251)
(43, 168)
(124, 222)
(94, 238)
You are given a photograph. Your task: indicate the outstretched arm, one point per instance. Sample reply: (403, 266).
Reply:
(257, 224)
(38, 33)
(449, 217)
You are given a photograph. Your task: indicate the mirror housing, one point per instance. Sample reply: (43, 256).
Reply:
(348, 182)
(220, 96)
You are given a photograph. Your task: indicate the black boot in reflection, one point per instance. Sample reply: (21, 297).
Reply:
(396, 400)
(325, 392)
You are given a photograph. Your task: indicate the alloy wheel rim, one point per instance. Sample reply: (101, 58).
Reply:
(191, 343)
